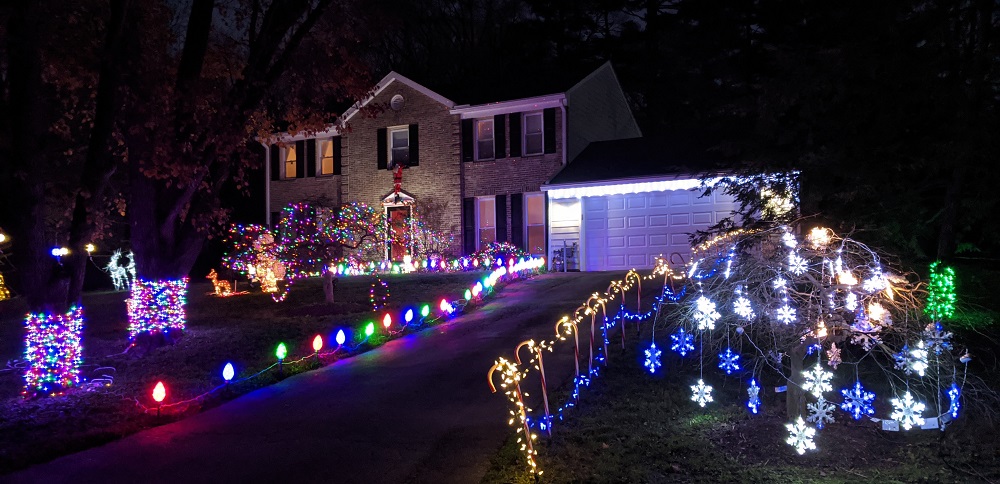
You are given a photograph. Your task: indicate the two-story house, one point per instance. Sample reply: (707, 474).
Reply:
(475, 171)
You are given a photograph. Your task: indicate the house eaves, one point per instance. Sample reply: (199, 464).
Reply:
(513, 106)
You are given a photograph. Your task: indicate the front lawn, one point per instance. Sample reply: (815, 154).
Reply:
(244, 330)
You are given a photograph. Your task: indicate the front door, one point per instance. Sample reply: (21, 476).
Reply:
(398, 218)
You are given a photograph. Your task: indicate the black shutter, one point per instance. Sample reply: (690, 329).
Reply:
(501, 218)
(414, 146)
(300, 166)
(337, 162)
(383, 145)
(275, 163)
(469, 225)
(549, 123)
(500, 136)
(467, 152)
(515, 134)
(517, 219)
(311, 157)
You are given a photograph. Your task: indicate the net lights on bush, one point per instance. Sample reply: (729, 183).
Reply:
(53, 351)
(156, 307)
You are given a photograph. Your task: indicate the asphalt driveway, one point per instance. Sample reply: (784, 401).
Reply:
(417, 409)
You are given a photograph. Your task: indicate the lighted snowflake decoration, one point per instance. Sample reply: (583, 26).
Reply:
(918, 359)
(705, 313)
(789, 239)
(907, 411)
(938, 339)
(742, 308)
(851, 302)
(653, 358)
(786, 314)
(817, 381)
(801, 436)
(821, 412)
(833, 356)
(729, 361)
(875, 283)
(780, 284)
(797, 265)
(954, 393)
(903, 359)
(857, 401)
(701, 393)
(753, 403)
(681, 342)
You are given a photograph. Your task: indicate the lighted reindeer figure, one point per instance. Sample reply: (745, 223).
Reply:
(222, 288)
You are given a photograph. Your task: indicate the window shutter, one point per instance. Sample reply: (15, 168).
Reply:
(517, 219)
(549, 122)
(383, 145)
(275, 163)
(501, 206)
(515, 134)
(469, 225)
(311, 157)
(500, 136)
(467, 129)
(337, 162)
(414, 146)
(300, 166)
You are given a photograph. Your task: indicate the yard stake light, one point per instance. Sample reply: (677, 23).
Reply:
(317, 344)
(370, 329)
(281, 353)
(341, 338)
(468, 295)
(228, 373)
(159, 393)
(387, 321)
(408, 316)
(424, 311)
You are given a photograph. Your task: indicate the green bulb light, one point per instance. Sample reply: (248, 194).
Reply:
(424, 311)
(281, 352)
(370, 329)
(941, 293)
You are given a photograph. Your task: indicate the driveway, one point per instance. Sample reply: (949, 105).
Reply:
(417, 409)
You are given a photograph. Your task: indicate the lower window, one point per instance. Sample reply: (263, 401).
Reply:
(487, 221)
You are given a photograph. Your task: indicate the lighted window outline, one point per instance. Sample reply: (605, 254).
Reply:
(492, 139)
(290, 165)
(528, 224)
(540, 133)
(322, 157)
(404, 149)
(480, 218)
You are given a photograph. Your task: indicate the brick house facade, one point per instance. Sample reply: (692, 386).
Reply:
(472, 171)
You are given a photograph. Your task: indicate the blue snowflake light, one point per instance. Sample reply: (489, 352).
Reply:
(754, 392)
(857, 401)
(682, 342)
(954, 393)
(652, 358)
(729, 361)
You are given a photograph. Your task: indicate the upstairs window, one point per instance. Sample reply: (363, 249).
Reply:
(484, 140)
(291, 161)
(399, 146)
(534, 135)
(326, 157)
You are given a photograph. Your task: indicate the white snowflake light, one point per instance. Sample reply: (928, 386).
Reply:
(705, 313)
(797, 265)
(821, 412)
(907, 411)
(875, 283)
(653, 358)
(742, 308)
(779, 283)
(753, 403)
(786, 314)
(938, 339)
(817, 381)
(851, 303)
(918, 359)
(701, 393)
(789, 239)
(801, 436)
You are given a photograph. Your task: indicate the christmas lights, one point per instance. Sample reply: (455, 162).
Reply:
(53, 352)
(941, 293)
(817, 381)
(821, 412)
(729, 361)
(907, 411)
(801, 436)
(156, 308)
(682, 342)
(753, 392)
(701, 393)
(858, 402)
(652, 358)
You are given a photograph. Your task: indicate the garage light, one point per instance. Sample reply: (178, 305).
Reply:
(624, 188)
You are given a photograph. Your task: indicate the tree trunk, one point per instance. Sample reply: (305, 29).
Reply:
(795, 396)
(329, 282)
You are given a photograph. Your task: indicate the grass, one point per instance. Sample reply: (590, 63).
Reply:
(635, 427)
(243, 330)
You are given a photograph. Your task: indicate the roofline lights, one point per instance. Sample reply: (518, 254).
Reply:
(625, 187)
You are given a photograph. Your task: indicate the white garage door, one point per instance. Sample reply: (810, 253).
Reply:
(623, 232)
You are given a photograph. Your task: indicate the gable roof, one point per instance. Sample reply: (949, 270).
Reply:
(636, 158)
(389, 78)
